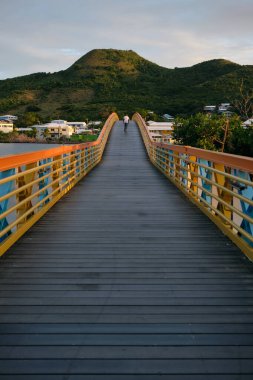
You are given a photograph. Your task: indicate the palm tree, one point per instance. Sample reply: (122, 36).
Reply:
(46, 133)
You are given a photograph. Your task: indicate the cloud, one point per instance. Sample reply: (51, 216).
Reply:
(50, 35)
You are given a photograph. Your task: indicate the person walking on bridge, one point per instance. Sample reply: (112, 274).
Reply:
(125, 121)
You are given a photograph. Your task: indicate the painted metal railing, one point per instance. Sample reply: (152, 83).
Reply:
(220, 184)
(31, 183)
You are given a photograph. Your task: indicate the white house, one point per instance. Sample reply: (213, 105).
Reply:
(27, 129)
(92, 123)
(224, 107)
(78, 126)
(248, 123)
(161, 131)
(209, 108)
(55, 129)
(58, 128)
(6, 126)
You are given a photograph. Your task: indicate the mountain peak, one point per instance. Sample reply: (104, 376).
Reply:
(105, 57)
(218, 63)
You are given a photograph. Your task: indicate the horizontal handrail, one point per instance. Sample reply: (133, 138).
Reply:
(31, 183)
(232, 160)
(220, 184)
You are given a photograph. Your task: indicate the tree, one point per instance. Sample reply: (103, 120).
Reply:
(198, 130)
(28, 119)
(242, 141)
(31, 133)
(33, 108)
(46, 133)
(207, 132)
(244, 103)
(106, 111)
(229, 129)
(143, 113)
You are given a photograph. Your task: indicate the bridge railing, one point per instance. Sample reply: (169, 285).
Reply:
(31, 183)
(220, 184)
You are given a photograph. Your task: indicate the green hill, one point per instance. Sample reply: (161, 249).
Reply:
(105, 79)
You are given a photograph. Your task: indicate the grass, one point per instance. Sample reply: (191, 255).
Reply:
(83, 138)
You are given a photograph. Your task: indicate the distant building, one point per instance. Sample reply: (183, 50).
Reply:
(161, 131)
(93, 123)
(9, 118)
(58, 122)
(224, 107)
(28, 129)
(168, 117)
(58, 128)
(40, 128)
(248, 123)
(77, 124)
(54, 130)
(227, 113)
(80, 127)
(6, 126)
(210, 108)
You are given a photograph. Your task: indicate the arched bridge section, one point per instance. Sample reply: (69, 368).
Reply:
(124, 278)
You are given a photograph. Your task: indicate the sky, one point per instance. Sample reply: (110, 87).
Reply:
(50, 35)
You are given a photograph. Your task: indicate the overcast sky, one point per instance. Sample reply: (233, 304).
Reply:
(49, 35)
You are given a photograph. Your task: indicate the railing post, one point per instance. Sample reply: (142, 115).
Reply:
(56, 164)
(72, 167)
(23, 194)
(193, 175)
(82, 168)
(223, 195)
(177, 166)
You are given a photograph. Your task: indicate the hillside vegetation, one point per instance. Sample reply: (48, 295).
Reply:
(106, 80)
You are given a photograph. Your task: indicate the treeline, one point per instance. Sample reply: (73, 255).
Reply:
(215, 133)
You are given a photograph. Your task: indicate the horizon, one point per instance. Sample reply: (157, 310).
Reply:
(49, 36)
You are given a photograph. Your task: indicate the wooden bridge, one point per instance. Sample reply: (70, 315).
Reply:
(123, 278)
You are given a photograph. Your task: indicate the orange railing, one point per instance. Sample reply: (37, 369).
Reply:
(31, 183)
(220, 184)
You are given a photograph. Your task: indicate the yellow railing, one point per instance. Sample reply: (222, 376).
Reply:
(220, 184)
(31, 183)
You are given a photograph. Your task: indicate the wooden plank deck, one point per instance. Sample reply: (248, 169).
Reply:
(125, 279)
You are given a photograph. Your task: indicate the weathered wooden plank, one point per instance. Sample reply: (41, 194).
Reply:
(126, 339)
(121, 328)
(131, 294)
(140, 366)
(126, 352)
(50, 281)
(126, 318)
(100, 301)
(164, 289)
(129, 377)
(129, 309)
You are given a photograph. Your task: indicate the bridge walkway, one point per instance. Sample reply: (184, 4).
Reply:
(124, 278)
